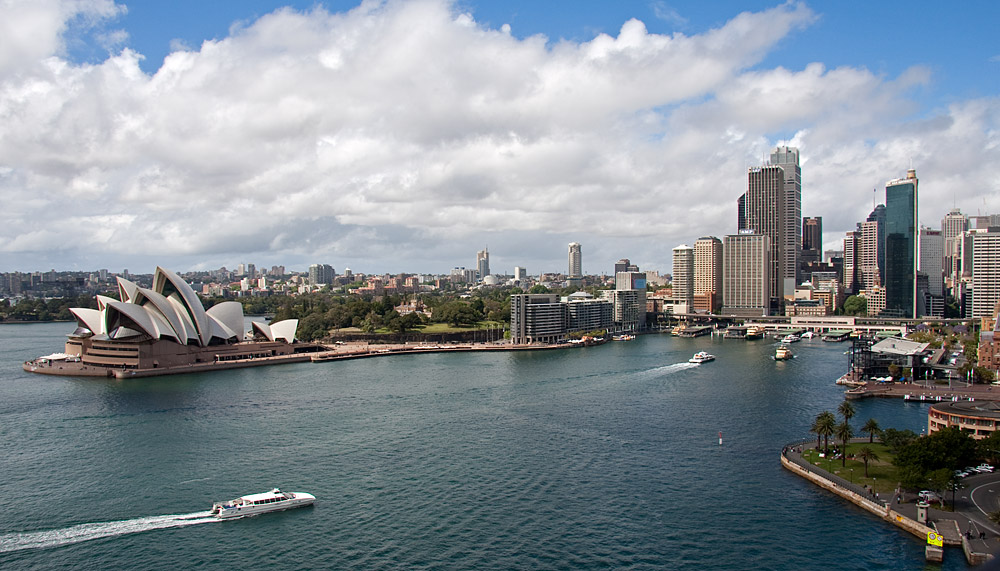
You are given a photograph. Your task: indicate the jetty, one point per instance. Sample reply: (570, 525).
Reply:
(957, 391)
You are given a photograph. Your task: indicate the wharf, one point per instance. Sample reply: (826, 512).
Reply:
(922, 392)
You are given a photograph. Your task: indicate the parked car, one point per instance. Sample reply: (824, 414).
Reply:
(929, 497)
(961, 473)
(984, 468)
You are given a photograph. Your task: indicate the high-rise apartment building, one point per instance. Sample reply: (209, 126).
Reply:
(320, 274)
(575, 260)
(901, 246)
(746, 273)
(708, 273)
(870, 245)
(683, 279)
(537, 318)
(985, 273)
(852, 262)
(772, 206)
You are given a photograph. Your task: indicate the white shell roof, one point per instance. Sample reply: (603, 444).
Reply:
(179, 315)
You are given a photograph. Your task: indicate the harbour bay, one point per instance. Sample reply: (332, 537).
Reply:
(600, 457)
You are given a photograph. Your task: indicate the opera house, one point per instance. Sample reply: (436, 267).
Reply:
(166, 330)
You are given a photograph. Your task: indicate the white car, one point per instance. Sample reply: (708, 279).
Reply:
(929, 496)
(984, 468)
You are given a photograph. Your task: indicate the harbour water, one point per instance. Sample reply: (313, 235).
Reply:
(593, 458)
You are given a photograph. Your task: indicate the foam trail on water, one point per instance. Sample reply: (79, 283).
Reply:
(665, 370)
(89, 531)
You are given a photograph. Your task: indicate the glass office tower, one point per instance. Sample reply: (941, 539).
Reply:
(901, 246)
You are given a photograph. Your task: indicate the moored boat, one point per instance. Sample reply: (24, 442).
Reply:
(782, 353)
(701, 357)
(791, 338)
(255, 504)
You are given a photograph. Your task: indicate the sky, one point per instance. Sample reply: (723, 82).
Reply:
(393, 136)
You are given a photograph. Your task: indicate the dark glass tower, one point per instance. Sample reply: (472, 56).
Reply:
(901, 246)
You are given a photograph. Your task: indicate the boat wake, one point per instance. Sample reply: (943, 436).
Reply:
(88, 531)
(665, 370)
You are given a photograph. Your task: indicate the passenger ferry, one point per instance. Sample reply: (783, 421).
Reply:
(701, 357)
(253, 504)
(782, 353)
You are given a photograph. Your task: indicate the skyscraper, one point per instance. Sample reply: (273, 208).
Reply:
(878, 217)
(772, 206)
(683, 279)
(812, 241)
(952, 226)
(575, 260)
(483, 263)
(746, 274)
(787, 158)
(708, 273)
(930, 246)
(901, 246)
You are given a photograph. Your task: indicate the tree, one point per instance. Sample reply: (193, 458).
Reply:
(855, 305)
(538, 288)
(827, 425)
(989, 447)
(846, 410)
(895, 440)
(940, 453)
(844, 433)
(867, 455)
(871, 427)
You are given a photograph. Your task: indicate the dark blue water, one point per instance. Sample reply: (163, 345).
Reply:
(596, 458)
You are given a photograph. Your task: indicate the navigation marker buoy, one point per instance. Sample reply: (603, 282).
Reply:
(720, 438)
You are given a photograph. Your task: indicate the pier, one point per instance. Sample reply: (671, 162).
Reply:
(925, 392)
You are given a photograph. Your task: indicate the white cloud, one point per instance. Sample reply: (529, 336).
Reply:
(405, 133)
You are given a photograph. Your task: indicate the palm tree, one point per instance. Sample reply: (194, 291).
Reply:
(844, 433)
(815, 428)
(867, 455)
(827, 425)
(846, 410)
(871, 427)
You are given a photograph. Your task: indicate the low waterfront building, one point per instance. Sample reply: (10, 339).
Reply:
(869, 359)
(978, 419)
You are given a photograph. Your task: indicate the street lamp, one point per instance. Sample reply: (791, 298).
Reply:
(852, 475)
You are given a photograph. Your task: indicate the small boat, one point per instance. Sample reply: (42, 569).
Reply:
(625, 337)
(701, 357)
(792, 338)
(254, 504)
(782, 353)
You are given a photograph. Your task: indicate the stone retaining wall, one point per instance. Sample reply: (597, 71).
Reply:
(883, 512)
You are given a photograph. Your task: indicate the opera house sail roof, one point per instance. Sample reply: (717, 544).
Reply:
(165, 326)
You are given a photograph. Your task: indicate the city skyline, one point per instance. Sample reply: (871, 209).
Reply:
(196, 137)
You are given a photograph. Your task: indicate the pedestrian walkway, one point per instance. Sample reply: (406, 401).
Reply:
(966, 526)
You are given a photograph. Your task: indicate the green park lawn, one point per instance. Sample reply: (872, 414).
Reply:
(881, 473)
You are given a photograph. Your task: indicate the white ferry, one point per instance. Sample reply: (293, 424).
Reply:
(782, 353)
(792, 338)
(254, 504)
(701, 357)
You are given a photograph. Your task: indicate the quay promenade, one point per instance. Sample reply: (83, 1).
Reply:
(964, 526)
(363, 349)
(925, 392)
